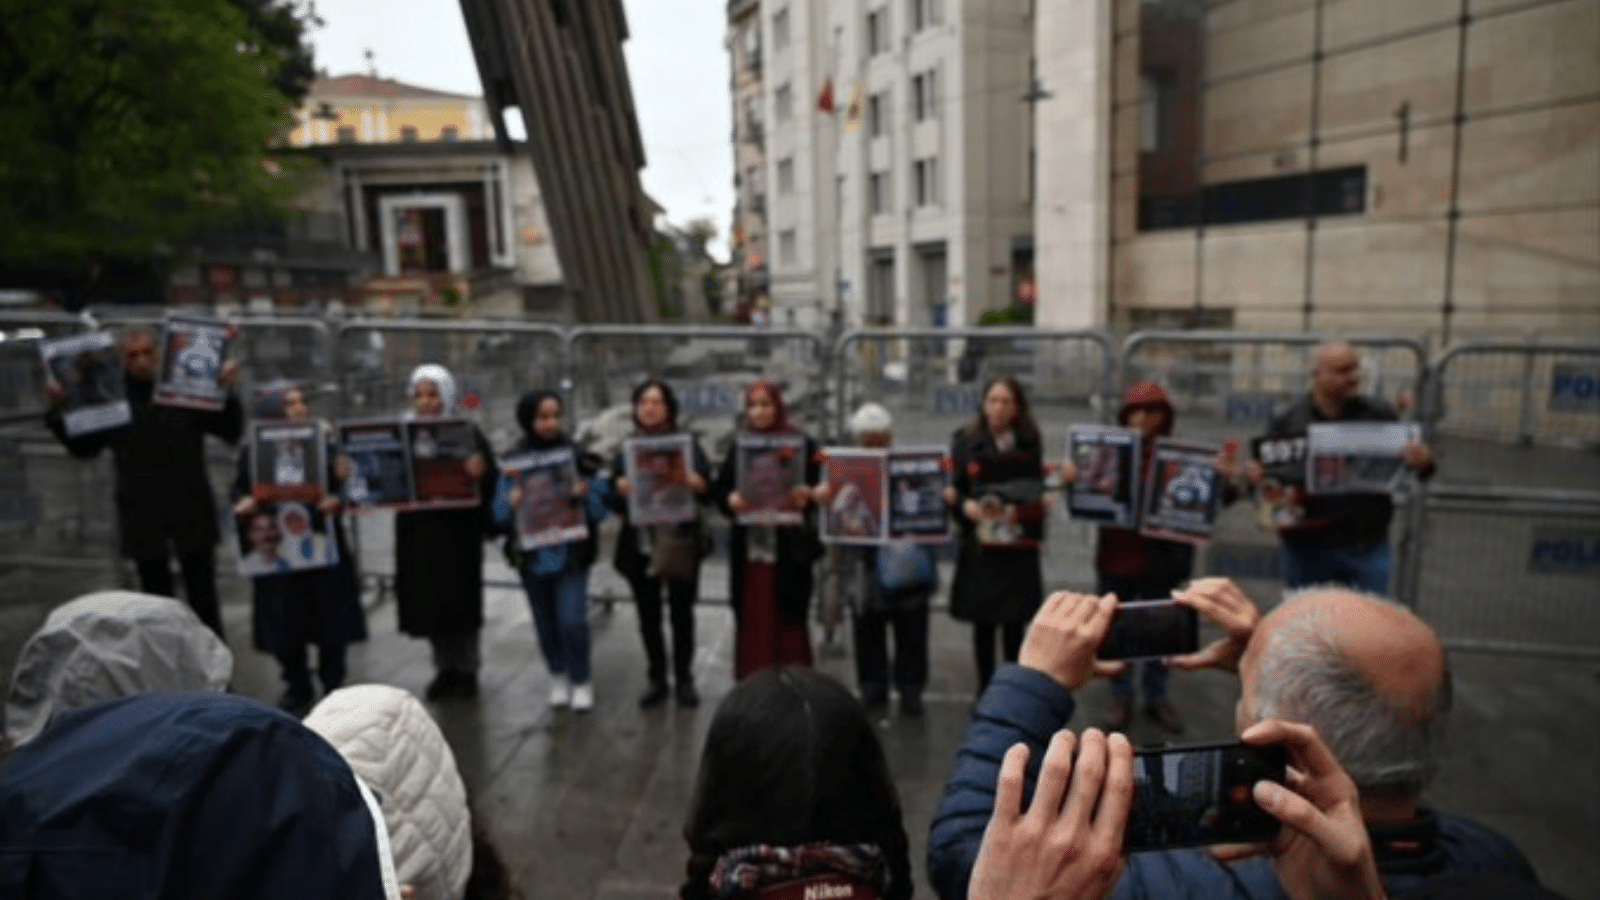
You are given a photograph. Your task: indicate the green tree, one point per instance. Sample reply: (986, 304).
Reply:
(129, 124)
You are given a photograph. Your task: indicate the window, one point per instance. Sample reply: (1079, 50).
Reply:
(878, 114)
(924, 14)
(450, 133)
(1334, 192)
(925, 181)
(786, 175)
(783, 103)
(924, 95)
(408, 133)
(1155, 101)
(780, 29)
(786, 247)
(347, 134)
(752, 120)
(877, 32)
(878, 193)
(752, 46)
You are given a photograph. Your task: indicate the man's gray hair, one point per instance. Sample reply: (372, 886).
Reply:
(1304, 676)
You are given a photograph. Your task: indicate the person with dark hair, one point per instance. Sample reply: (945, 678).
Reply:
(163, 495)
(661, 558)
(1135, 567)
(794, 791)
(770, 577)
(293, 609)
(997, 493)
(556, 578)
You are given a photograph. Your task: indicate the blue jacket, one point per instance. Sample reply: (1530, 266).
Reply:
(1025, 706)
(177, 795)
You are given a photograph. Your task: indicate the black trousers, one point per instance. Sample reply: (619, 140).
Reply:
(680, 597)
(910, 665)
(983, 647)
(199, 584)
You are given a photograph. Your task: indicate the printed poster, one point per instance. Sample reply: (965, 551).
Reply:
(1107, 488)
(1282, 458)
(88, 368)
(548, 512)
(657, 469)
(380, 467)
(917, 479)
(193, 351)
(1357, 457)
(412, 464)
(439, 450)
(287, 462)
(858, 483)
(769, 469)
(1183, 493)
(281, 538)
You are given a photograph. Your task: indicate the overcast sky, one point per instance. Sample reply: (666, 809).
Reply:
(676, 62)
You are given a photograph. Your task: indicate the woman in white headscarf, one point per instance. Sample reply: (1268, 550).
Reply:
(438, 579)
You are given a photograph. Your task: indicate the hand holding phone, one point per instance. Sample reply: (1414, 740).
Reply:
(1198, 796)
(1064, 635)
(1151, 629)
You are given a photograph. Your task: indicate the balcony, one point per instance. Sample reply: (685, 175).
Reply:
(754, 132)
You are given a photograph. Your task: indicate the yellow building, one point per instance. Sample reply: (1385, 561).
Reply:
(362, 109)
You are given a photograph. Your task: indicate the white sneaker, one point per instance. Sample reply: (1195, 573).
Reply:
(560, 691)
(583, 697)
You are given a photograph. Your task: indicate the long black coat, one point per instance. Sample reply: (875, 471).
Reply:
(316, 606)
(163, 494)
(994, 585)
(798, 545)
(438, 579)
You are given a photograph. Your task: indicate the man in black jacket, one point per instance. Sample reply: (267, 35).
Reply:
(163, 494)
(1338, 538)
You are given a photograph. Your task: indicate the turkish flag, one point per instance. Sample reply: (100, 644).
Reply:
(825, 99)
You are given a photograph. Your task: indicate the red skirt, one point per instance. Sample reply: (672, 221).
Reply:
(766, 639)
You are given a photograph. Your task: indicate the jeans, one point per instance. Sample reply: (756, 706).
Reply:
(681, 596)
(1363, 567)
(199, 584)
(560, 605)
(910, 628)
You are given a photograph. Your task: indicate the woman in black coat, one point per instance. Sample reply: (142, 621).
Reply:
(997, 492)
(655, 414)
(311, 606)
(438, 579)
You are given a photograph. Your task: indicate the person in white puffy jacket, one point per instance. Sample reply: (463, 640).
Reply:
(110, 644)
(398, 751)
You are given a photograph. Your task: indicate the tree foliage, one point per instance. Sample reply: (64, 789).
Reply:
(130, 123)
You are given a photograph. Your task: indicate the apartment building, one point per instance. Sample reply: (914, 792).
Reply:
(746, 61)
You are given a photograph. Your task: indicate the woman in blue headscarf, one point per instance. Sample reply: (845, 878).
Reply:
(296, 606)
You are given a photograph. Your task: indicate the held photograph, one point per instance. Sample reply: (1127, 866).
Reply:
(286, 461)
(1107, 488)
(769, 469)
(1182, 494)
(1358, 457)
(193, 352)
(439, 450)
(917, 479)
(657, 469)
(380, 466)
(548, 513)
(857, 489)
(88, 369)
(281, 538)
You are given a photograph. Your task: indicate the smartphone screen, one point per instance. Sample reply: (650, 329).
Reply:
(1194, 796)
(1146, 629)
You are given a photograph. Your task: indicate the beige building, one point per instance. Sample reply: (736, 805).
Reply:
(749, 242)
(1347, 165)
(363, 109)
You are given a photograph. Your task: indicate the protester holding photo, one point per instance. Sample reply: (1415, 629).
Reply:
(163, 496)
(438, 580)
(659, 559)
(769, 566)
(291, 609)
(556, 577)
(1340, 538)
(1136, 567)
(997, 587)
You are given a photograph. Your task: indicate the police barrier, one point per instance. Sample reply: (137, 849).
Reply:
(1226, 385)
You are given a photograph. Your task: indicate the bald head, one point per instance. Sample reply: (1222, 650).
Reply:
(1335, 373)
(1368, 674)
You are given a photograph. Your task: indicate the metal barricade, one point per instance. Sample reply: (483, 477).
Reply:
(1226, 385)
(1511, 525)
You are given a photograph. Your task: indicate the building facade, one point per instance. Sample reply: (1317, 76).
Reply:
(898, 174)
(365, 109)
(745, 58)
(1428, 168)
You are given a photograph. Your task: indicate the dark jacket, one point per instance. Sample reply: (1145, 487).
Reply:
(1338, 519)
(438, 582)
(995, 584)
(163, 494)
(630, 561)
(1025, 706)
(798, 545)
(1123, 553)
(184, 795)
(315, 606)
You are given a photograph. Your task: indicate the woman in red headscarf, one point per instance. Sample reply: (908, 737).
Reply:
(766, 486)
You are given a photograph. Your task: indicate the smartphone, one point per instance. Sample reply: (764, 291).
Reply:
(1151, 629)
(1195, 796)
